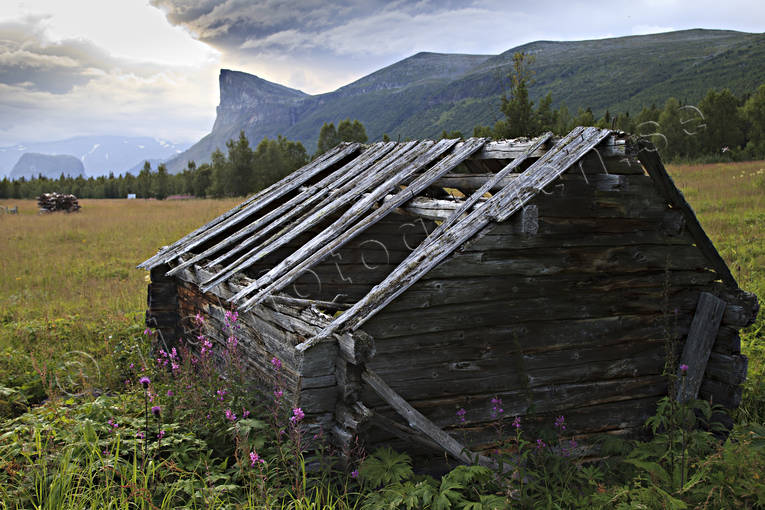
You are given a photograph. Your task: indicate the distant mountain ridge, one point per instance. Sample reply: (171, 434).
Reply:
(99, 155)
(428, 92)
(32, 164)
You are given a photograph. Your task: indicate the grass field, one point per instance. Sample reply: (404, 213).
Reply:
(69, 283)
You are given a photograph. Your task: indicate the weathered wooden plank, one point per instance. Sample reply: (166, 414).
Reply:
(650, 159)
(698, 345)
(534, 335)
(437, 247)
(574, 260)
(424, 379)
(450, 317)
(724, 394)
(292, 267)
(450, 291)
(276, 217)
(728, 341)
(416, 420)
(730, 369)
(252, 204)
(346, 194)
(471, 182)
(564, 399)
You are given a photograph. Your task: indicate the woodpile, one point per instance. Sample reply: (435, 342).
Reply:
(52, 202)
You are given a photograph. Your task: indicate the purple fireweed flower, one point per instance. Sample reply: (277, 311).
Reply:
(230, 416)
(517, 422)
(145, 381)
(276, 363)
(560, 422)
(540, 444)
(174, 366)
(132, 365)
(206, 346)
(113, 423)
(170, 393)
(461, 414)
(683, 368)
(255, 459)
(355, 473)
(139, 435)
(156, 411)
(278, 394)
(232, 342)
(496, 410)
(147, 332)
(161, 434)
(245, 413)
(297, 415)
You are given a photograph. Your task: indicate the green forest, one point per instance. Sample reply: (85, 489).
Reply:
(722, 127)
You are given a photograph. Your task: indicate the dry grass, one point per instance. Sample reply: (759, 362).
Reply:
(85, 263)
(729, 200)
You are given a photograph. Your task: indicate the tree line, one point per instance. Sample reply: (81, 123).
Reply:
(241, 171)
(722, 126)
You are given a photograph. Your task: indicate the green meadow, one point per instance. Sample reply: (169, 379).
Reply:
(71, 299)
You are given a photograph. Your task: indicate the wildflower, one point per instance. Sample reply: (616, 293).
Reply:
(683, 369)
(255, 459)
(174, 366)
(245, 413)
(147, 332)
(278, 394)
(170, 393)
(132, 366)
(560, 422)
(540, 444)
(276, 362)
(145, 381)
(161, 434)
(232, 342)
(497, 409)
(230, 416)
(297, 415)
(221, 394)
(355, 473)
(113, 423)
(156, 410)
(105, 452)
(139, 435)
(573, 444)
(517, 422)
(206, 346)
(199, 319)
(461, 414)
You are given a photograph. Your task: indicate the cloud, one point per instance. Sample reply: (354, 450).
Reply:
(58, 89)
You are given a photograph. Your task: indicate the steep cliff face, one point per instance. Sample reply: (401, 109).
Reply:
(31, 164)
(428, 92)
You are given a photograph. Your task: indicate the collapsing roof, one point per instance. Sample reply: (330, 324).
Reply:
(251, 254)
(374, 181)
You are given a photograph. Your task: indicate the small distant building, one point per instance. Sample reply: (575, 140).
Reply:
(559, 278)
(131, 196)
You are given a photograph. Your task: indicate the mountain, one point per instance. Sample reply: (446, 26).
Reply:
(32, 164)
(99, 155)
(426, 93)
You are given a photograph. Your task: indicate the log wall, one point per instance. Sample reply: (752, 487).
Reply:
(574, 316)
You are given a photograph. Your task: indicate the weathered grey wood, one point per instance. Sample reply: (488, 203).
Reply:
(650, 159)
(431, 253)
(416, 420)
(329, 305)
(730, 369)
(291, 268)
(251, 205)
(346, 194)
(471, 182)
(512, 149)
(698, 346)
(283, 213)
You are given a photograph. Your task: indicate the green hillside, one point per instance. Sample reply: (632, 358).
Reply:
(427, 93)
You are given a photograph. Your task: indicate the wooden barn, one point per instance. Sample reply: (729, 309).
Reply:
(401, 282)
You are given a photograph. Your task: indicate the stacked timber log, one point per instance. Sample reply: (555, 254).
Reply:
(52, 202)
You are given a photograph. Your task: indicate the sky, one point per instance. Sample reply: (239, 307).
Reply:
(150, 67)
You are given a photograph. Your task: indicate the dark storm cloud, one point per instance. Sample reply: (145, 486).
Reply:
(27, 60)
